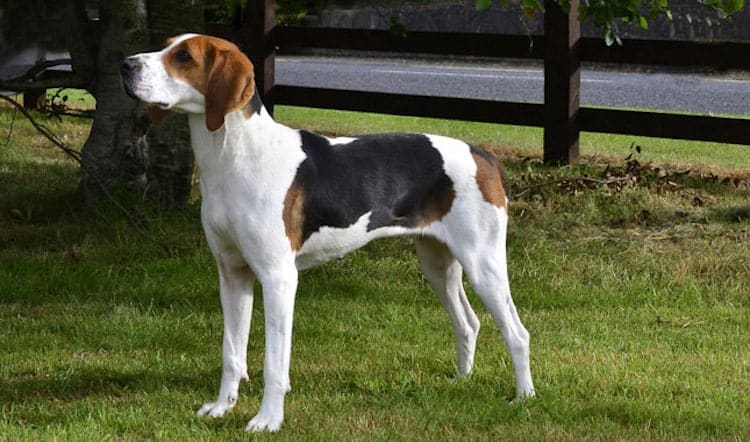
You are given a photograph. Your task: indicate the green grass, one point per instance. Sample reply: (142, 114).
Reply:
(76, 98)
(636, 297)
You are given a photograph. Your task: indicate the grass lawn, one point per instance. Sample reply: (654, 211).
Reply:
(636, 295)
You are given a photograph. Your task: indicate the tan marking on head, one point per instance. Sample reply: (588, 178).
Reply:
(294, 219)
(217, 69)
(490, 179)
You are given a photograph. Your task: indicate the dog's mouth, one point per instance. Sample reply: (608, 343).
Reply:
(127, 85)
(129, 90)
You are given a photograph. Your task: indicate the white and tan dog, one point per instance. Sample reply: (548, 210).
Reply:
(278, 200)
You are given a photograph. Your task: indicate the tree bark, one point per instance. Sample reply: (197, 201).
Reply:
(114, 153)
(81, 41)
(170, 160)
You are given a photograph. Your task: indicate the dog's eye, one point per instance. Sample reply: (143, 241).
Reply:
(183, 56)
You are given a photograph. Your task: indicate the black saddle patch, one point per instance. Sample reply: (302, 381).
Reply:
(398, 177)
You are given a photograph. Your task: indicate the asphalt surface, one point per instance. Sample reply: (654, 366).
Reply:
(669, 91)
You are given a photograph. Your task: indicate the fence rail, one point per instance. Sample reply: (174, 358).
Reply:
(522, 114)
(562, 49)
(664, 125)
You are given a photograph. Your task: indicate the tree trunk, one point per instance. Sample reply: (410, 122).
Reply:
(170, 159)
(114, 153)
(81, 41)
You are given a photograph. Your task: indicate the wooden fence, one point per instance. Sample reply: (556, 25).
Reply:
(561, 47)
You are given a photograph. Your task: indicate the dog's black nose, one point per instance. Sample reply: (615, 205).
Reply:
(127, 65)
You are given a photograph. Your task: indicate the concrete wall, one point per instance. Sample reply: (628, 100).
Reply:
(691, 21)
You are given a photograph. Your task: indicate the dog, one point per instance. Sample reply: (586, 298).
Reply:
(277, 200)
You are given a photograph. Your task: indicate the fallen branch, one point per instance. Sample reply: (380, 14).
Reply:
(578, 180)
(44, 130)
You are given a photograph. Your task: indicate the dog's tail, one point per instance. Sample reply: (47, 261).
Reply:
(503, 178)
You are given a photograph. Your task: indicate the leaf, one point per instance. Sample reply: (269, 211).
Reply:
(397, 28)
(565, 6)
(529, 7)
(481, 5)
(609, 37)
(643, 22)
(732, 6)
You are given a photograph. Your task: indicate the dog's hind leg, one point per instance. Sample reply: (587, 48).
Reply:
(444, 274)
(236, 291)
(488, 274)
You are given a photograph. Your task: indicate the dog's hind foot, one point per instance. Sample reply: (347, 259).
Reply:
(523, 396)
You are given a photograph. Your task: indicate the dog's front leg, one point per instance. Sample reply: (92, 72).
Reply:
(279, 290)
(236, 291)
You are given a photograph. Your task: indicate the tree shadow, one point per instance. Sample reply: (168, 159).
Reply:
(734, 214)
(104, 382)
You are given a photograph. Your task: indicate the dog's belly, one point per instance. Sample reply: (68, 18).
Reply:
(331, 242)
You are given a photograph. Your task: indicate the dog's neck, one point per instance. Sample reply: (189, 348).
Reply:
(255, 105)
(251, 129)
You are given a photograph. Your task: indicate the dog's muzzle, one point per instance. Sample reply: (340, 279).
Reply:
(128, 69)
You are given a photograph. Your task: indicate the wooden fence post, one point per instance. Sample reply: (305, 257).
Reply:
(562, 82)
(258, 21)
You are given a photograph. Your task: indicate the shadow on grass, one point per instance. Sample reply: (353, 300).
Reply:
(736, 214)
(658, 419)
(86, 382)
(38, 196)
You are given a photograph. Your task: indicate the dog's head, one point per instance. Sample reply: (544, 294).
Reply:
(193, 73)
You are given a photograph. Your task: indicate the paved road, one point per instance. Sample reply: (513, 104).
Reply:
(665, 91)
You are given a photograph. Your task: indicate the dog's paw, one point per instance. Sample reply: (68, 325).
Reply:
(265, 422)
(218, 408)
(523, 396)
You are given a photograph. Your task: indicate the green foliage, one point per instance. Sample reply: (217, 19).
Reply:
(290, 12)
(607, 14)
(221, 11)
(528, 6)
(727, 7)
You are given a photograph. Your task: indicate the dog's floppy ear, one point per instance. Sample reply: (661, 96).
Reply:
(231, 84)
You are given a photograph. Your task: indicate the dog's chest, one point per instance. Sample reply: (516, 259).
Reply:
(243, 205)
(244, 178)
